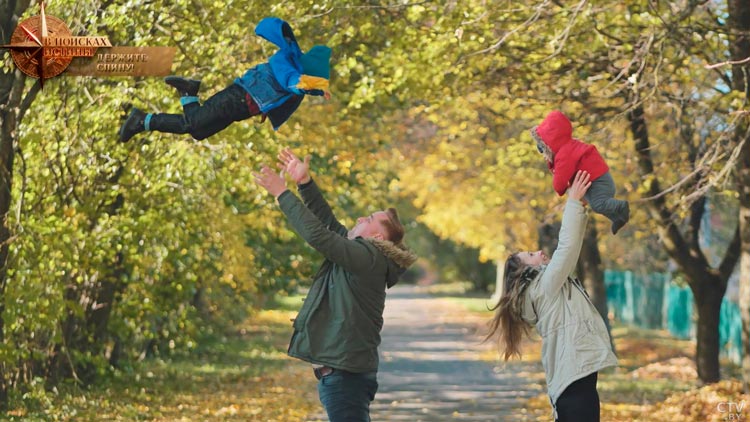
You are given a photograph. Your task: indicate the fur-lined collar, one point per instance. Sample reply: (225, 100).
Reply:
(399, 253)
(543, 148)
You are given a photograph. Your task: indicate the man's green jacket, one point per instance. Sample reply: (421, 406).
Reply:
(340, 320)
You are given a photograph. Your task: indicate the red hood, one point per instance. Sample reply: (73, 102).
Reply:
(555, 130)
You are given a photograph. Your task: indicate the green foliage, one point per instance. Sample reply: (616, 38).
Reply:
(124, 251)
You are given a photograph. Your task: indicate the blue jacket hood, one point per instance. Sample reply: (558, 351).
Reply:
(276, 87)
(275, 30)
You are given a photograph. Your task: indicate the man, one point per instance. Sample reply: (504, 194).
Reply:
(338, 327)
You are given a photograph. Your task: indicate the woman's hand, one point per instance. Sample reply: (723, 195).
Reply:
(580, 185)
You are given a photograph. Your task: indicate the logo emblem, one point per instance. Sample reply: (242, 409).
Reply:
(42, 46)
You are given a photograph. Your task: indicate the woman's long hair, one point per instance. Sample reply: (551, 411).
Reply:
(508, 324)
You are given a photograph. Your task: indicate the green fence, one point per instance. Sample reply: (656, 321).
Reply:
(654, 301)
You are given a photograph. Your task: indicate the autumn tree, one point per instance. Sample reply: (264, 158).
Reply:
(116, 252)
(641, 66)
(739, 37)
(15, 99)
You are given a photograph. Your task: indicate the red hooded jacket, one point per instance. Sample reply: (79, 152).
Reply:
(571, 154)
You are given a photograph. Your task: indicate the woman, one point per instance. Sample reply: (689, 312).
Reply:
(539, 291)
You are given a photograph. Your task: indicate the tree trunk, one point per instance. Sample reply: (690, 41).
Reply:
(112, 285)
(707, 284)
(13, 105)
(548, 234)
(708, 303)
(744, 223)
(89, 335)
(7, 139)
(589, 269)
(98, 319)
(739, 20)
(499, 282)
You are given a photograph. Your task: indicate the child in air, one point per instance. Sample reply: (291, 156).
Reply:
(273, 89)
(566, 155)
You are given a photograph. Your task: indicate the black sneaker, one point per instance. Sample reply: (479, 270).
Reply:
(186, 87)
(134, 124)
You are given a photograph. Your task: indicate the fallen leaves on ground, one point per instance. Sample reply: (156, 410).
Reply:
(636, 347)
(680, 368)
(280, 393)
(244, 376)
(656, 381)
(722, 401)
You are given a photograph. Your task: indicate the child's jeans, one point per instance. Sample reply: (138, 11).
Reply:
(214, 115)
(600, 197)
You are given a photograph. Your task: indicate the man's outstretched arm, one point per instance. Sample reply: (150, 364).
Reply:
(356, 255)
(308, 189)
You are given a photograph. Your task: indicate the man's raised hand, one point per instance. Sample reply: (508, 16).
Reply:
(271, 181)
(298, 170)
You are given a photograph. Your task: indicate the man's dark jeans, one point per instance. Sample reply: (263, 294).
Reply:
(347, 395)
(214, 115)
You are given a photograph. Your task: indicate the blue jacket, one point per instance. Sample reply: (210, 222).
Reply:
(273, 84)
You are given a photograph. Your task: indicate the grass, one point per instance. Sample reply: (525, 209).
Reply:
(475, 304)
(461, 293)
(243, 377)
(290, 303)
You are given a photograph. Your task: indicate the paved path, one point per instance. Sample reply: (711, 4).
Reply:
(430, 369)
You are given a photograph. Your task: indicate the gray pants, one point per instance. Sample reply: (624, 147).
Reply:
(600, 197)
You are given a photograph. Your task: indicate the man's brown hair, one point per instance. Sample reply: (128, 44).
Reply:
(394, 230)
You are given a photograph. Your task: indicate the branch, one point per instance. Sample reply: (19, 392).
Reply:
(714, 178)
(566, 31)
(24, 184)
(673, 241)
(726, 267)
(728, 167)
(500, 42)
(184, 52)
(28, 99)
(632, 78)
(319, 15)
(387, 6)
(671, 188)
(728, 62)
